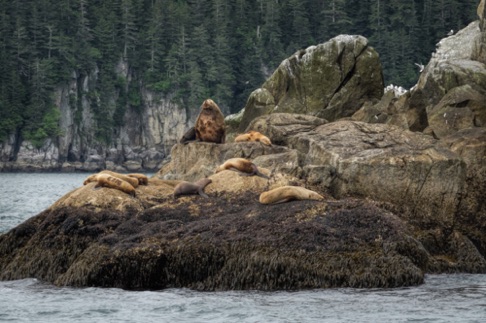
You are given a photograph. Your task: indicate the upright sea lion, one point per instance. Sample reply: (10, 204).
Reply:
(132, 180)
(187, 188)
(288, 193)
(142, 179)
(189, 135)
(209, 125)
(254, 136)
(106, 180)
(242, 165)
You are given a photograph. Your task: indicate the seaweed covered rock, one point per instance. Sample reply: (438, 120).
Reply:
(235, 244)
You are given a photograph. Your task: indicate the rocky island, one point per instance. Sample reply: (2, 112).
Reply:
(403, 179)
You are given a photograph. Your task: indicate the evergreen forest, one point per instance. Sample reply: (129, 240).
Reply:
(190, 50)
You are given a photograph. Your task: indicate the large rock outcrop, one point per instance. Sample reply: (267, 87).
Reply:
(331, 81)
(235, 244)
(105, 237)
(398, 203)
(450, 94)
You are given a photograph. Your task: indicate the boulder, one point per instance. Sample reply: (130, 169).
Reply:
(470, 144)
(460, 108)
(480, 41)
(378, 161)
(236, 243)
(331, 81)
(281, 126)
(385, 163)
(450, 95)
(195, 160)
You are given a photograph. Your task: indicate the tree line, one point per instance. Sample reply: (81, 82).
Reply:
(190, 49)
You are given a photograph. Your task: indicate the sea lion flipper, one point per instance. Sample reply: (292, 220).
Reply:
(284, 200)
(189, 135)
(262, 175)
(201, 192)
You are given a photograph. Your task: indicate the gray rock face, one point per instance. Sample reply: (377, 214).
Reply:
(385, 163)
(330, 81)
(410, 170)
(141, 143)
(450, 94)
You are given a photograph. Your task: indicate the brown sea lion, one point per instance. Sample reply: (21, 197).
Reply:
(90, 178)
(132, 180)
(246, 167)
(210, 125)
(253, 136)
(106, 180)
(288, 193)
(190, 135)
(187, 188)
(142, 179)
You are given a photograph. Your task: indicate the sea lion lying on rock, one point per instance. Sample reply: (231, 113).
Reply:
(253, 136)
(142, 179)
(94, 178)
(188, 188)
(133, 179)
(127, 178)
(288, 193)
(106, 180)
(246, 167)
(210, 125)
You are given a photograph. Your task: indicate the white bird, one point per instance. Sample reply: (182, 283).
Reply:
(450, 33)
(420, 66)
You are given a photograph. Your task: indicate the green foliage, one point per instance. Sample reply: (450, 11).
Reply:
(189, 49)
(163, 86)
(49, 128)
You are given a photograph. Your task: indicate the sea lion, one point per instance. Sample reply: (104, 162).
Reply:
(106, 180)
(209, 125)
(253, 136)
(246, 167)
(90, 178)
(142, 179)
(187, 188)
(132, 180)
(288, 193)
(189, 135)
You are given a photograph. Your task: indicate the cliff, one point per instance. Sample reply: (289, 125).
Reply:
(140, 143)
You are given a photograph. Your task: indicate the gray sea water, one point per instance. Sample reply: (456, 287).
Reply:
(443, 298)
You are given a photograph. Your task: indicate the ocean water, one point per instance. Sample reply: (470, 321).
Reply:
(443, 298)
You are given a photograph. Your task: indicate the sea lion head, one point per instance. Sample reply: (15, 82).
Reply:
(210, 106)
